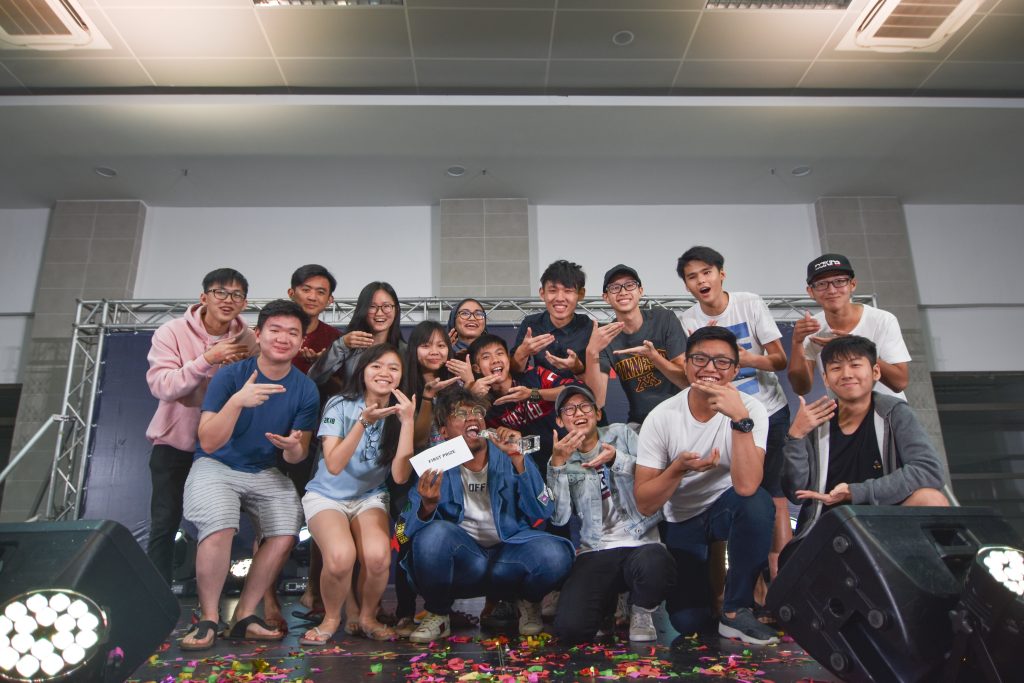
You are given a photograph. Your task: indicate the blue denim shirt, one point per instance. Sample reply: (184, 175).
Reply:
(575, 487)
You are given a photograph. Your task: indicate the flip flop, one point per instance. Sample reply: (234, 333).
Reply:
(352, 628)
(278, 624)
(322, 638)
(201, 630)
(240, 630)
(315, 615)
(381, 632)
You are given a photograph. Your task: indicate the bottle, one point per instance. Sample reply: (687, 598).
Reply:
(527, 444)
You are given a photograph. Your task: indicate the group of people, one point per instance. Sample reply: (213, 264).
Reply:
(708, 453)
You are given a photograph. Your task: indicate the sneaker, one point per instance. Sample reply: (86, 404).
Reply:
(501, 618)
(747, 628)
(530, 620)
(549, 605)
(622, 610)
(432, 627)
(641, 625)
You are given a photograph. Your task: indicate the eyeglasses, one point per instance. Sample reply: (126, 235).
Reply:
(702, 359)
(463, 414)
(383, 308)
(836, 282)
(616, 287)
(224, 295)
(466, 314)
(582, 407)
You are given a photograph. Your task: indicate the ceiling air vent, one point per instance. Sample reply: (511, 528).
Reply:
(47, 25)
(908, 25)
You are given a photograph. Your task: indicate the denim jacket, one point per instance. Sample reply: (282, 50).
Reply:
(575, 487)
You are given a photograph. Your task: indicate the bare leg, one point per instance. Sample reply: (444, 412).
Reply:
(332, 533)
(271, 605)
(311, 598)
(213, 558)
(370, 530)
(265, 568)
(781, 535)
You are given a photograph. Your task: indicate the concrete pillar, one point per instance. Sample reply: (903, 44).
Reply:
(484, 248)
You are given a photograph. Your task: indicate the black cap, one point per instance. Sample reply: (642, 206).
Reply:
(828, 263)
(581, 389)
(619, 270)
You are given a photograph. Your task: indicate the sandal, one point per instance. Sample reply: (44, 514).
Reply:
(380, 632)
(240, 631)
(321, 638)
(278, 623)
(315, 615)
(202, 631)
(352, 628)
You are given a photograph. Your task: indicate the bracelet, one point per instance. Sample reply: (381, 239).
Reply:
(366, 423)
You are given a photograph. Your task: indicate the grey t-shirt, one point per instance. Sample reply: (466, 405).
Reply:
(645, 386)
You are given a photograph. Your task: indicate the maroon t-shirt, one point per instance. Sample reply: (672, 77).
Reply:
(318, 340)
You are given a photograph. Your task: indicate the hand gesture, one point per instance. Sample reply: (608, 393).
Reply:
(840, 494)
(481, 386)
(358, 340)
(435, 386)
(819, 340)
(453, 336)
(810, 415)
(429, 488)
(688, 461)
(252, 394)
(508, 441)
(646, 350)
(373, 413)
(723, 398)
(601, 336)
(746, 357)
(309, 355)
(568, 363)
(804, 327)
(460, 369)
(406, 406)
(562, 449)
(226, 351)
(605, 456)
(534, 344)
(291, 442)
(514, 395)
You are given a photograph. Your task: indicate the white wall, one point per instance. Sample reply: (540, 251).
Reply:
(766, 248)
(357, 245)
(22, 237)
(967, 259)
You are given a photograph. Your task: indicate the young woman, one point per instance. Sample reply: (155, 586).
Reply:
(366, 432)
(467, 321)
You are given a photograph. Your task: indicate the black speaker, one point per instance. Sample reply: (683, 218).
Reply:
(101, 560)
(869, 590)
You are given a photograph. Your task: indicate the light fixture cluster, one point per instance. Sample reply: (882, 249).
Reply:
(240, 568)
(48, 634)
(1006, 565)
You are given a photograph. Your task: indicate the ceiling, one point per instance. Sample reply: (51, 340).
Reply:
(215, 102)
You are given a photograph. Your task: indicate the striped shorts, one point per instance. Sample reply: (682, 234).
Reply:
(215, 494)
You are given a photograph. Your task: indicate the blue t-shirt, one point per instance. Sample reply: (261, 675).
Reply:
(362, 475)
(248, 449)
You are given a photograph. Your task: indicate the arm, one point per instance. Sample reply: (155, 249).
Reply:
(294, 447)
(797, 466)
(595, 376)
(773, 358)
(423, 502)
(215, 427)
(747, 467)
(401, 468)
(653, 487)
(558, 482)
(896, 376)
(801, 369)
(674, 369)
(333, 357)
(171, 377)
(529, 487)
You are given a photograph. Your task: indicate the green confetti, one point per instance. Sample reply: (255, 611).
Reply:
(376, 668)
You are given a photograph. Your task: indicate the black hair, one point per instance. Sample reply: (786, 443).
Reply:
(457, 307)
(848, 348)
(358, 322)
(282, 308)
(449, 400)
(712, 332)
(698, 253)
(303, 273)
(412, 375)
(485, 339)
(225, 276)
(355, 389)
(565, 273)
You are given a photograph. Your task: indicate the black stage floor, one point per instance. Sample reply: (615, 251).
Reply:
(471, 656)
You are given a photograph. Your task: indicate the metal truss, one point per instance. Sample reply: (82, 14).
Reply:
(95, 319)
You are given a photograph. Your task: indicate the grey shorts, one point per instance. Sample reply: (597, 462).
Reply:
(215, 495)
(313, 502)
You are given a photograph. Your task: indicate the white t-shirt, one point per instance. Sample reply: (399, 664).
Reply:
(477, 516)
(879, 326)
(671, 429)
(747, 317)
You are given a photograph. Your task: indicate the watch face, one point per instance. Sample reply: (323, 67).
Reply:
(745, 425)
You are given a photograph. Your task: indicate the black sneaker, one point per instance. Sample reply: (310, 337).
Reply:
(747, 628)
(502, 618)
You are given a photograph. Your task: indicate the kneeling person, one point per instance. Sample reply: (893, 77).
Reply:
(252, 409)
(591, 473)
(867, 448)
(474, 529)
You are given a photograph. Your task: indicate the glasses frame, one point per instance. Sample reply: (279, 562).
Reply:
(466, 314)
(221, 294)
(383, 308)
(834, 283)
(571, 409)
(616, 287)
(716, 360)
(462, 414)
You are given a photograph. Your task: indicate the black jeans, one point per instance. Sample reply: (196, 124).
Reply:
(168, 468)
(588, 595)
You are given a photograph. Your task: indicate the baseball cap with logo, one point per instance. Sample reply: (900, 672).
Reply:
(828, 263)
(615, 271)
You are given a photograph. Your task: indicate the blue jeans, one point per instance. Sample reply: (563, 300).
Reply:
(745, 523)
(446, 563)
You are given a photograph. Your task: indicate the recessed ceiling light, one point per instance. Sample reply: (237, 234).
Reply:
(456, 171)
(105, 172)
(801, 171)
(623, 38)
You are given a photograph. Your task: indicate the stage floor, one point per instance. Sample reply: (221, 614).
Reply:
(469, 655)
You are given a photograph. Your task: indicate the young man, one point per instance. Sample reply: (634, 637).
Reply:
(591, 473)
(184, 356)
(252, 409)
(313, 289)
(831, 283)
(475, 529)
(701, 456)
(646, 347)
(702, 270)
(557, 338)
(865, 448)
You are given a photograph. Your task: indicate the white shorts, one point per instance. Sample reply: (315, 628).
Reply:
(312, 503)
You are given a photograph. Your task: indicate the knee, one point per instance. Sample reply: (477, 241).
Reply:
(277, 546)
(376, 561)
(927, 497)
(758, 508)
(553, 555)
(436, 535)
(338, 562)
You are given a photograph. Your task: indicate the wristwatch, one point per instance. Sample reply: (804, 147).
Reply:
(746, 425)
(535, 395)
(366, 423)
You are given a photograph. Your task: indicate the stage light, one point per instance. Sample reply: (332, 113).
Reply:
(304, 535)
(240, 568)
(50, 635)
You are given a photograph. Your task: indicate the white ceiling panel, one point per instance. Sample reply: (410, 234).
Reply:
(755, 34)
(336, 31)
(880, 75)
(481, 74)
(477, 34)
(209, 73)
(978, 77)
(167, 32)
(740, 74)
(998, 38)
(588, 35)
(598, 74)
(348, 73)
(80, 73)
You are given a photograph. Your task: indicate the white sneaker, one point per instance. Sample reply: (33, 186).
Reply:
(530, 620)
(549, 605)
(432, 627)
(641, 625)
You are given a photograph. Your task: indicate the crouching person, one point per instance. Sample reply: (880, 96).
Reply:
(474, 528)
(591, 473)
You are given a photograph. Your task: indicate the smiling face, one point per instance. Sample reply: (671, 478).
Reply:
(704, 281)
(713, 349)
(314, 295)
(469, 325)
(432, 354)
(852, 378)
(382, 376)
(492, 360)
(578, 420)
(623, 301)
(467, 421)
(833, 298)
(560, 302)
(382, 312)
(220, 313)
(280, 338)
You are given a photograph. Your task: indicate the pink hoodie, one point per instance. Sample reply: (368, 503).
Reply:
(179, 374)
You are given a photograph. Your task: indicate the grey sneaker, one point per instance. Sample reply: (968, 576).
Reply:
(641, 625)
(530, 620)
(747, 628)
(549, 605)
(432, 627)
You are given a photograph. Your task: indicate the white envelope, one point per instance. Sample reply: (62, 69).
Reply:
(443, 456)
